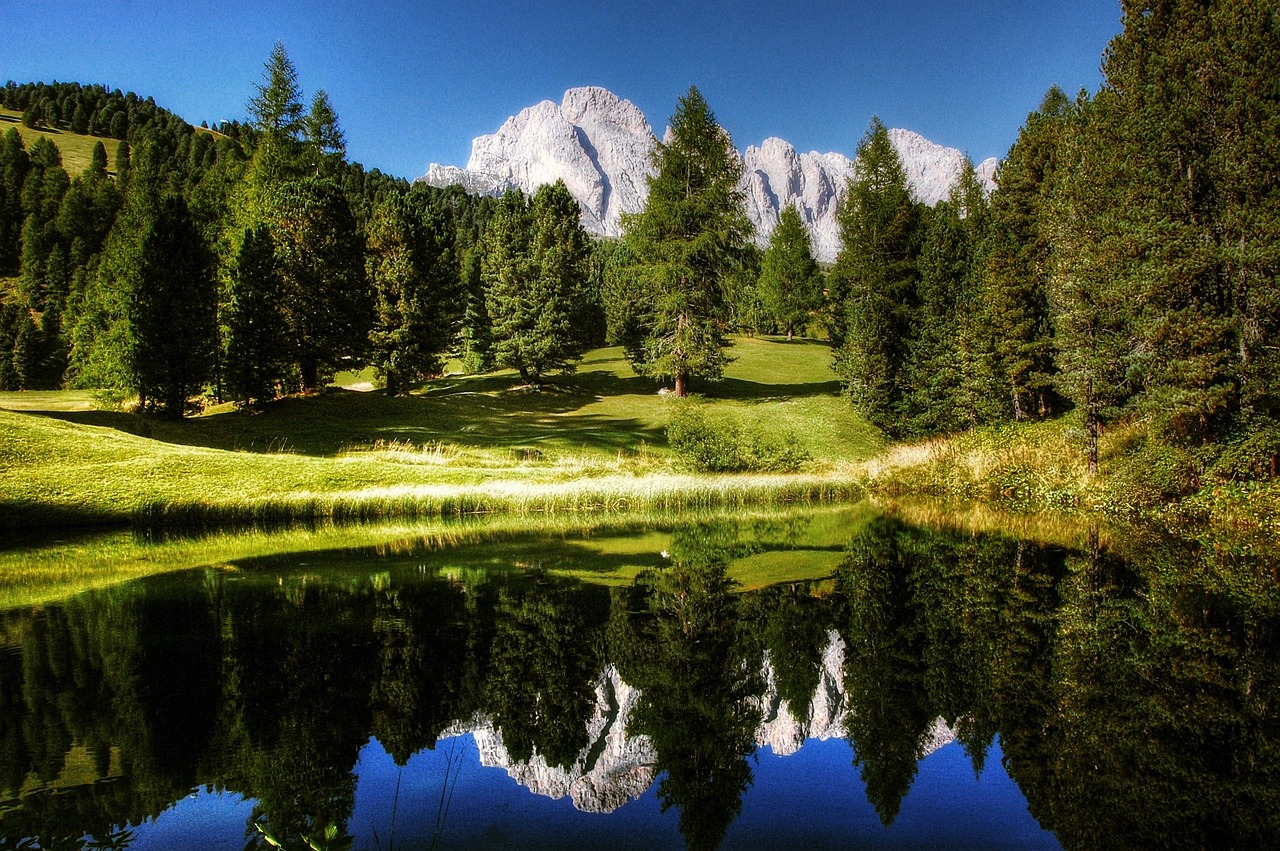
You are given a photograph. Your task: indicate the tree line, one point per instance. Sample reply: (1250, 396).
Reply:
(1074, 658)
(1124, 267)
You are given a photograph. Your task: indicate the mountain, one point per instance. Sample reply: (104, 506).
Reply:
(601, 146)
(617, 766)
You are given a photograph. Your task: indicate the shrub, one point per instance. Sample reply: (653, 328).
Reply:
(723, 446)
(1252, 457)
(1153, 474)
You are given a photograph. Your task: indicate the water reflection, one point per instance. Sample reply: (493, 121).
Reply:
(1128, 690)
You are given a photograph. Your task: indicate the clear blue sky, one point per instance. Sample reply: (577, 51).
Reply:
(413, 82)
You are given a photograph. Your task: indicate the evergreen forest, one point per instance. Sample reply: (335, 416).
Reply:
(1124, 270)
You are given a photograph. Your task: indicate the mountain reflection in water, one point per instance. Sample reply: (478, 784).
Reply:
(1120, 696)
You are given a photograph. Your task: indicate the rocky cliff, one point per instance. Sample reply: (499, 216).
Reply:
(616, 767)
(600, 145)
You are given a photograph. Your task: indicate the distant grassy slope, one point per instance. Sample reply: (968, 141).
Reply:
(596, 437)
(77, 150)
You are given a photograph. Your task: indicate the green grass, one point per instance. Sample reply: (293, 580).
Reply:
(593, 440)
(77, 150)
(610, 549)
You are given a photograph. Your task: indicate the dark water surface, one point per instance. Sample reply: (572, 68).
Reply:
(902, 688)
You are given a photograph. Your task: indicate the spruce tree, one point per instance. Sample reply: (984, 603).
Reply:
(687, 241)
(1095, 272)
(256, 345)
(415, 278)
(327, 303)
(1015, 263)
(874, 280)
(173, 311)
(535, 269)
(789, 277)
(15, 163)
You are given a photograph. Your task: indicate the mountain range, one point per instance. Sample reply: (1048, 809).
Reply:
(618, 765)
(600, 145)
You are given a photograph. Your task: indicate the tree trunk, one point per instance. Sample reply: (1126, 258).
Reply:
(1091, 440)
(310, 370)
(682, 389)
(791, 333)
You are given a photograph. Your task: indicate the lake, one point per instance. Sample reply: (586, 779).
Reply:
(829, 678)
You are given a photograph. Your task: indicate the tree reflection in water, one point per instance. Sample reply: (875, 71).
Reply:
(1133, 686)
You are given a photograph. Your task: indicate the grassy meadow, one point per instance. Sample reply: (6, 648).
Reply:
(77, 150)
(786, 544)
(458, 445)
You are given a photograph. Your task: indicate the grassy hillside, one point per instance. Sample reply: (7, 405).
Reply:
(77, 150)
(596, 438)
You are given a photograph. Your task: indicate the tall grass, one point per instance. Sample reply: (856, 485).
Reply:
(607, 495)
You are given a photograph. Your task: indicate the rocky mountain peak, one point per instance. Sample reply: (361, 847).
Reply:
(601, 146)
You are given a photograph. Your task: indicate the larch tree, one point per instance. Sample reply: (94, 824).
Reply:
(276, 106)
(686, 243)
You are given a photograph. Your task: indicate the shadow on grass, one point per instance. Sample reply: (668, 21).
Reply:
(475, 413)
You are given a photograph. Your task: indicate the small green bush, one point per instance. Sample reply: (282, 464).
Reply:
(723, 446)
(1151, 475)
(1252, 457)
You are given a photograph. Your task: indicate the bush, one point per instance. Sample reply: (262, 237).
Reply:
(723, 446)
(1153, 474)
(1252, 457)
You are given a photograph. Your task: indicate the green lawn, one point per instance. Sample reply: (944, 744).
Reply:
(596, 436)
(77, 150)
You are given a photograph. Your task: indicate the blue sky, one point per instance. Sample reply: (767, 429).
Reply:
(413, 82)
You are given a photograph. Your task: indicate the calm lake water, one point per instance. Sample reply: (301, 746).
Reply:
(830, 679)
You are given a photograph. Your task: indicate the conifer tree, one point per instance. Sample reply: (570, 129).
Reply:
(173, 311)
(327, 302)
(414, 274)
(256, 345)
(688, 239)
(324, 136)
(789, 277)
(15, 163)
(874, 279)
(1015, 262)
(276, 107)
(535, 269)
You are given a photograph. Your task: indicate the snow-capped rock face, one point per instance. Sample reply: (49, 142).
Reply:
(616, 767)
(601, 146)
(611, 770)
(596, 142)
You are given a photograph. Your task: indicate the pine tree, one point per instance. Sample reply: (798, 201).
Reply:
(875, 280)
(276, 108)
(535, 269)
(415, 278)
(256, 345)
(172, 311)
(687, 241)
(789, 276)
